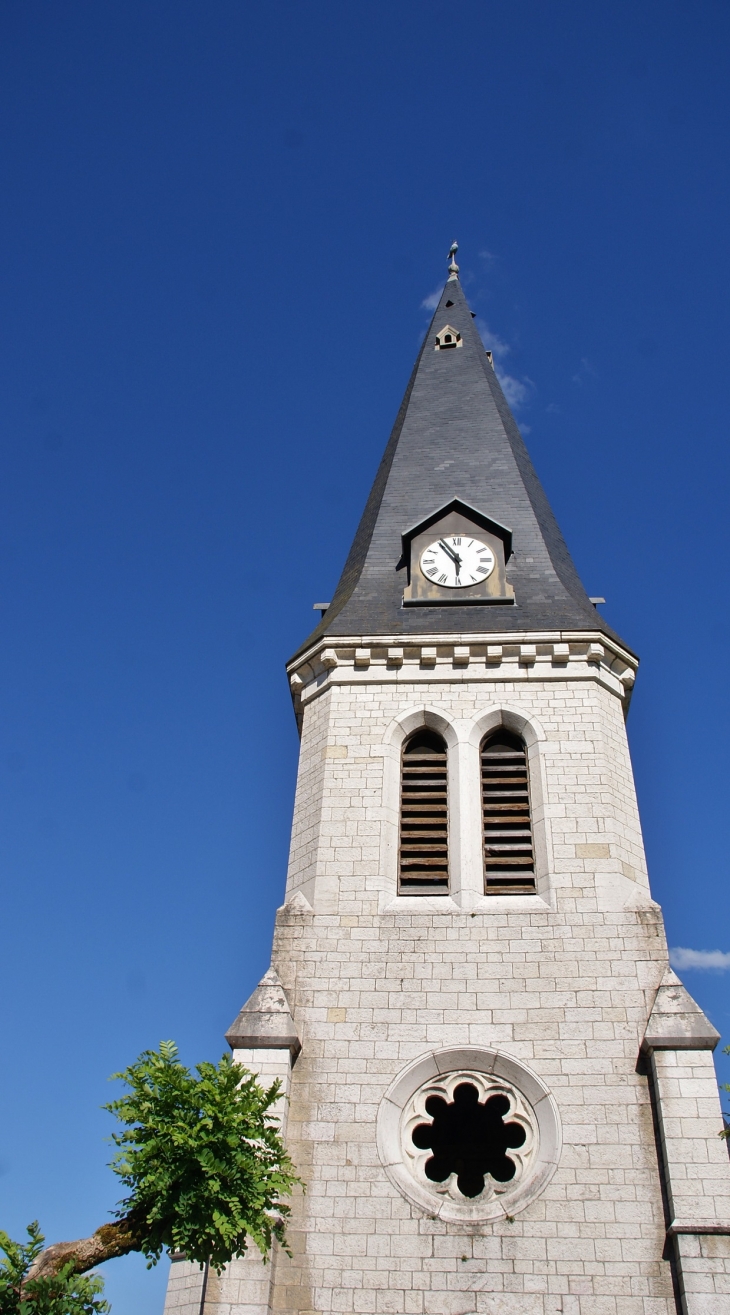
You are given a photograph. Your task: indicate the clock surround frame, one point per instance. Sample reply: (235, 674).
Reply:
(457, 518)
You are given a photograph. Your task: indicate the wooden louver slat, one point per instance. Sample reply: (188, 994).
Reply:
(424, 857)
(509, 864)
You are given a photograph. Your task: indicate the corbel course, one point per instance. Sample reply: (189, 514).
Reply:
(525, 657)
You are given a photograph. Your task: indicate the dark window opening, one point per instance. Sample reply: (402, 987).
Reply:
(424, 857)
(469, 1139)
(509, 861)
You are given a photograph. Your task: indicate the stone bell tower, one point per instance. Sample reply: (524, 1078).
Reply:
(500, 1097)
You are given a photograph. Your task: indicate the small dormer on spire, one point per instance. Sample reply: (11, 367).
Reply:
(448, 337)
(453, 267)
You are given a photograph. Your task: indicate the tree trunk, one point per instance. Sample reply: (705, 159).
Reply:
(116, 1239)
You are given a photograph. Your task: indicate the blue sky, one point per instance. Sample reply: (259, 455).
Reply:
(219, 227)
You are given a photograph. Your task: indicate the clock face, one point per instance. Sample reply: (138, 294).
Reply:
(457, 561)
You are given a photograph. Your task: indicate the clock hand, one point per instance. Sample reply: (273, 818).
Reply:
(453, 555)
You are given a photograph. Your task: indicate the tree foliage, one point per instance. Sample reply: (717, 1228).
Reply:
(202, 1157)
(64, 1293)
(205, 1168)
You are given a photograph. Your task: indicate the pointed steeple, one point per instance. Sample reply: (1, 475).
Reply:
(455, 437)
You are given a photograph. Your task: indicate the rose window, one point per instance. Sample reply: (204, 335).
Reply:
(469, 1139)
(468, 1133)
(468, 1136)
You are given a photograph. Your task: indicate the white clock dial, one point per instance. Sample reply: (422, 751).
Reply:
(457, 561)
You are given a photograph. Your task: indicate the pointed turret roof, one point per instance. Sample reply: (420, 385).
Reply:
(265, 1021)
(455, 437)
(676, 1021)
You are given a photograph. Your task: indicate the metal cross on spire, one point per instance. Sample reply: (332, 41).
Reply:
(453, 267)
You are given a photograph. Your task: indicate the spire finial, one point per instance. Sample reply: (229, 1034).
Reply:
(453, 267)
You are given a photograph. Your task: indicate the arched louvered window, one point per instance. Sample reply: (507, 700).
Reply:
(509, 863)
(424, 854)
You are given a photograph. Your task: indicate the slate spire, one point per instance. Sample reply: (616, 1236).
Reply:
(455, 437)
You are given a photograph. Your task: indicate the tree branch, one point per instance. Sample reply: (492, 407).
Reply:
(116, 1239)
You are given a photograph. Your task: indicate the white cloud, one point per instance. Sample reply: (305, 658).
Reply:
(705, 960)
(514, 390)
(492, 341)
(586, 371)
(432, 301)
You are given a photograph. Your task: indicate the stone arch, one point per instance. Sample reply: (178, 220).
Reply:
(423, 717)
(512, 719)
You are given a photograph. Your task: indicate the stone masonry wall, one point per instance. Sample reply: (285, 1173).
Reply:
(562, 981)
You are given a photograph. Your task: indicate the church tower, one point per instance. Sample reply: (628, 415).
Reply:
(500, 1097)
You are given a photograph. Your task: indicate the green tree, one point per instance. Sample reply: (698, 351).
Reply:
(65, 1293)
(205, 1168)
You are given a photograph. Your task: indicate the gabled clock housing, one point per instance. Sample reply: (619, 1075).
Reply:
(457, 517)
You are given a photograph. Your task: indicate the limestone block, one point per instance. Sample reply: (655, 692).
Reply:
(184, 1288)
